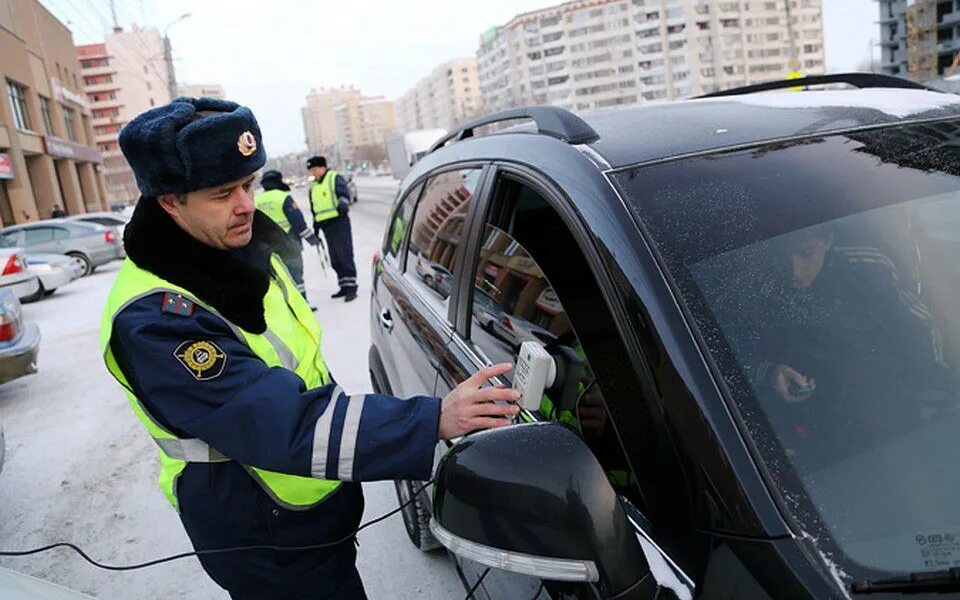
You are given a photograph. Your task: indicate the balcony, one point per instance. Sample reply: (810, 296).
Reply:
(101, 87)
(93, 71)
(106, 121)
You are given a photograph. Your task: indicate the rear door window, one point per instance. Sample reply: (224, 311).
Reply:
(38, 235)
(437, 232)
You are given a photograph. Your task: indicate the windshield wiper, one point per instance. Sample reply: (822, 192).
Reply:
(947, 580)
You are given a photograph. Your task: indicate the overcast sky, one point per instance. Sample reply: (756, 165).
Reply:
(268, 55)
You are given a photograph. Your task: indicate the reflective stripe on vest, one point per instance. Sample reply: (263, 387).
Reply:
(292, 341)
(323, 198)
(270, 203)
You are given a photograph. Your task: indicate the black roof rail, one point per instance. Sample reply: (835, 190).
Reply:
(550, 120)
(860, 80)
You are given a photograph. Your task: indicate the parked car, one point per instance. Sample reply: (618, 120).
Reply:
(348, 177)
(15, 274)
(54, 271)
(117, 220)
(19, 341)
(436, 276)
(754, 299)
(92, 244)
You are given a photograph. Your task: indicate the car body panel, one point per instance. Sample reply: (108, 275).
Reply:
(18, 356)
(54, 270)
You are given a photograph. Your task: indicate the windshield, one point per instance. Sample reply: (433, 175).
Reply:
(823, 277)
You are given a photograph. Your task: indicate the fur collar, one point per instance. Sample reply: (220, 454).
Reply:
(233, 282)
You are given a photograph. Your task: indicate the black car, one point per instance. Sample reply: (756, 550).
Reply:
(753, 305)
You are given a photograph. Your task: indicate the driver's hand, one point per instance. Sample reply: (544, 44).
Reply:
(785, 380)
(469, 407)
(592, 415)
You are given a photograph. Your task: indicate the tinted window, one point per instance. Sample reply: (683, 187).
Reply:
(398, 227)
(108, 221)
(823, 276)
(38, 235)
(437, 231)
(60, 233)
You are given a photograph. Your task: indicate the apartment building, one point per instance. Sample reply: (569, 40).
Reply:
(449, 95)
(319, 125)
(202, 90)
(919, 39)
(362, 125)
(47, 153)
(122, 77)
(599, 53)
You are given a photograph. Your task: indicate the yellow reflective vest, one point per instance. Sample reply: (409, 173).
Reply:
(291, 341)
(270, 203)
(323, 198)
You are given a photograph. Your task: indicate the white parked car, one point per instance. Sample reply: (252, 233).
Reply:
(54, 271)
(15, 275)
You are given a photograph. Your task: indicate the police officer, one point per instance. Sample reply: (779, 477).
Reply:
(330, 202)
(220, 359)
(275, 202)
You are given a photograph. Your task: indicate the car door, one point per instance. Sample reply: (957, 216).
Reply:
(411, 310)
(526, 267)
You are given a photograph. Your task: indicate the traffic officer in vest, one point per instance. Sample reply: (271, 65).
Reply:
(220, 359)
(330, 202)
(276, 202)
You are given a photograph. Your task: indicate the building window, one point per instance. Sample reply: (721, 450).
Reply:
(45, 112)
(18, 104)
(70, 123)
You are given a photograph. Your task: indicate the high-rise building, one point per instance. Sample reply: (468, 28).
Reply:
(449, 95)
(919, 39)
(597, 53)
(122, 77)
(319, 125)
(47, 153)
(362, 126)
(202, 90)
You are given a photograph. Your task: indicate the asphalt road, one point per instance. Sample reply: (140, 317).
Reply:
(80, 468)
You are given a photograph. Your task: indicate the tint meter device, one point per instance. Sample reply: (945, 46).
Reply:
(535, 372)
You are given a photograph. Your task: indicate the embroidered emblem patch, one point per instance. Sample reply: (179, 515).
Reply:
(204, 359)
(247, 143)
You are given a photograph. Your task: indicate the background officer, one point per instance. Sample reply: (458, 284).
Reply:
(330, 202)
(276, 202)
(221, 361)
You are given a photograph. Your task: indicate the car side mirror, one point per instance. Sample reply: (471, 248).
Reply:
(532, 499)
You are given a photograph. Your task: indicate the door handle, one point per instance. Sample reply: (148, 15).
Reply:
(386, 321)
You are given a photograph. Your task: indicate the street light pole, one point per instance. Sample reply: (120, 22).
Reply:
(168, 57)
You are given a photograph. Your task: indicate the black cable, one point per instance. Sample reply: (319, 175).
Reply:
(537, 593)
(477, 584)
(174, 557)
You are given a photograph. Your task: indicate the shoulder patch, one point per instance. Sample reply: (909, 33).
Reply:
(204, 359)
(176, 304)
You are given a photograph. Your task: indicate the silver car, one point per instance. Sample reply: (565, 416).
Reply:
(93, 244)
(19, 341)
(117, 220)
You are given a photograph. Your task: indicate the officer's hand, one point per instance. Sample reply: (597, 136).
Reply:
(791, 385)
(469, 407)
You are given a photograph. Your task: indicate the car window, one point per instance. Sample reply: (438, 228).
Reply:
(109, 222)
(515, 300)
(38, 235)
(823, 280)
(436, 232)
(9, 240)
(60, 234)
(398, 227)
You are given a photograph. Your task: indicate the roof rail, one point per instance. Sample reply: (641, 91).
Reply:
(550, 120)
(860, 80)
